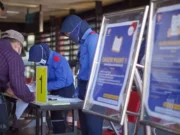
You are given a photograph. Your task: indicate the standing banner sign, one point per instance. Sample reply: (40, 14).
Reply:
(41, 84)
(115, 63)
(161, 99)
(118, 44)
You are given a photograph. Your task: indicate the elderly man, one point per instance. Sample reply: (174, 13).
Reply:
(12, 79)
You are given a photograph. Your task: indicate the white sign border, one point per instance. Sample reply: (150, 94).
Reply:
(151, 113)
(128, 67)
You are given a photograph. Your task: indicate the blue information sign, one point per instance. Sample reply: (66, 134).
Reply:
(163, 96)
(115, 59)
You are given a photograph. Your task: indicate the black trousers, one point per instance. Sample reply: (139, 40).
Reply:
(90, 124)
(58, 118)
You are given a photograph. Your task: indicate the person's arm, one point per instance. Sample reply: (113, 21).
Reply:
(17, 80)
(10, 91)
(61, 76)
(93, 39)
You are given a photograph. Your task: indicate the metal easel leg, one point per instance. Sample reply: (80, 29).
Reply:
(125, 130)
(136, 126)
(114, 128)
(138, 83)
(147, 130)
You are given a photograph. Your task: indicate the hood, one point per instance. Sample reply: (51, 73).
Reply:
(71, 22)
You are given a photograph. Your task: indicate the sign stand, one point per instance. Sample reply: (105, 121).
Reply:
(138, 83)
(113, 71)
(148, 130)
(114, 128)
(161, 98)
(125, 126)
(41, 84)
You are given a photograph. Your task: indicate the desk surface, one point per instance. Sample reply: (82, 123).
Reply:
(42, 106)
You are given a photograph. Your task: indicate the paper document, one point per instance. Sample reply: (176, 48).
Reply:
(32, 87)
(116, 47)
(58, 103)
(70, 100)
(175, 24)
(20, 107)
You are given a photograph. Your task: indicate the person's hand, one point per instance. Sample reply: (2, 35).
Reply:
(10, 92)
(32, 84)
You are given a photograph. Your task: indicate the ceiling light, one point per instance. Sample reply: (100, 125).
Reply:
(12, 12)
(20, 5)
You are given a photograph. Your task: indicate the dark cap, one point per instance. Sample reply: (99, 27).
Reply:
(38, 52)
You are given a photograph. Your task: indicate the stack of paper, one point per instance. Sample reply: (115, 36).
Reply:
(20, 108)
(55, 100)
(20, 105)
(31, 87)
(58, 98)
(57, 103)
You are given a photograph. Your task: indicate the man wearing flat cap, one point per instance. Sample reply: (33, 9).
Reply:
(12, 66)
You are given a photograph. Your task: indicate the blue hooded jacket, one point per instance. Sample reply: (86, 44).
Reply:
(87, 40)
(59, 71)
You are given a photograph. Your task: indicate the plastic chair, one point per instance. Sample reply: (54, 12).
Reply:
(134, 105)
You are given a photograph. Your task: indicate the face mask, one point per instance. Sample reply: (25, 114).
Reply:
(17, 47)
(74, 35)
(18, 50)
(38, 64)
(42, 62)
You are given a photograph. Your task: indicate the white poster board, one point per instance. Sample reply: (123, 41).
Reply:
(161, 99)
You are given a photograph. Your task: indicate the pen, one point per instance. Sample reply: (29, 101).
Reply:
(52, 99)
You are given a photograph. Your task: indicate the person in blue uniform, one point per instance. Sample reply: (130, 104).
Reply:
(60, 79)
(79, 32)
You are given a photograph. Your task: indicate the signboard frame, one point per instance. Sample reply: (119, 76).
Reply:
(145, 118)
(134, 15)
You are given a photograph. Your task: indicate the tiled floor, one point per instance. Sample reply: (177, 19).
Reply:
(23, 132)
(27, 131)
